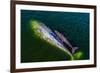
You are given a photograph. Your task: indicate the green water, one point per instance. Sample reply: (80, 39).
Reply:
(74, 26)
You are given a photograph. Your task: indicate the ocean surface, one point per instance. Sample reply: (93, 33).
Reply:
(73, 25)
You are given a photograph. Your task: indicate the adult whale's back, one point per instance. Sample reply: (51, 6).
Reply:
(46, 34)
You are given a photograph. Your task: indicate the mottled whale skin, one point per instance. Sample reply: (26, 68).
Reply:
(55, 38)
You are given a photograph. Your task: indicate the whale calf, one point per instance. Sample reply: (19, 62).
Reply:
(65, 40)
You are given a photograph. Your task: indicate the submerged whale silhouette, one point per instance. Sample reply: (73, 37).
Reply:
(65, 40)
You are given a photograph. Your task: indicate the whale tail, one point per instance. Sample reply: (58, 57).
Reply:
(74, 49)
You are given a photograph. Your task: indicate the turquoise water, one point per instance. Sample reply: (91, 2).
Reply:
(73, 25)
